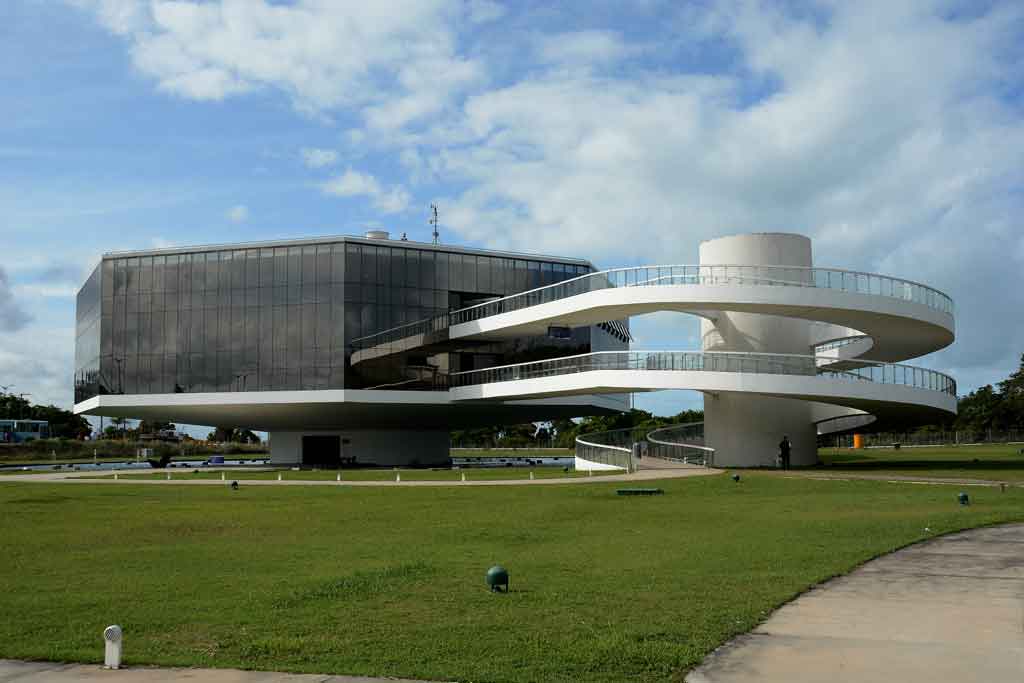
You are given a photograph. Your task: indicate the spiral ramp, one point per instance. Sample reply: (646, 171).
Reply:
(788, 349)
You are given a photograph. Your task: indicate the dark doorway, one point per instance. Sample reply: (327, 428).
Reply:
(321, 451)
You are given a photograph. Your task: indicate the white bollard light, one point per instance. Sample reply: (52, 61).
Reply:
(222, 477)
(115, 476)
(279, 476)
(531, 475)
(463, 476)
(590, 473)
(398, 476)
(168, 476)
(112, 651)
(339, 476)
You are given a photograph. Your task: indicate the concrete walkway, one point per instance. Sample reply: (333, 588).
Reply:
(653, 469)
(50, 672)
(950, 609)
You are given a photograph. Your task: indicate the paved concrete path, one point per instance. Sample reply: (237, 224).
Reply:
(951, 609)
(51, 672)
(653, 469)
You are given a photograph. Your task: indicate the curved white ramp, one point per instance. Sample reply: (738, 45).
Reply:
(790, 349)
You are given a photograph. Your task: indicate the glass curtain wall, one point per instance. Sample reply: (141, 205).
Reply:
(273, 318)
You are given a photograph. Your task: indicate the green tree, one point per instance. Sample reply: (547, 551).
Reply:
(154, 426)
(232, 435)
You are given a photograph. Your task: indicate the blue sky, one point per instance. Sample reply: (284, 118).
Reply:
(891, 133)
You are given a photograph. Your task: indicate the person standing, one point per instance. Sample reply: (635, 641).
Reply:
(784, 449)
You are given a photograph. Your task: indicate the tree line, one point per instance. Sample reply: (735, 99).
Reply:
(999, 408)
(63, 423)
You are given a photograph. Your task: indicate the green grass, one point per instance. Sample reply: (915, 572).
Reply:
(1002, 462)
(362, 475)
(390, 582)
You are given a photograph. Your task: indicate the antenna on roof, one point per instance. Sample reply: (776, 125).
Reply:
(433, 222)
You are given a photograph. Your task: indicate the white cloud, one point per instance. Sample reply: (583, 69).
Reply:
(323, 54)
(886, 131)
(39, 360)
(583, 47)
(484, 11)
(238, 213)
(894, 152)
(355, 184)
(315, 157)
(12, 316)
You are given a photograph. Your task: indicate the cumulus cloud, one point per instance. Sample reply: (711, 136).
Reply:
(859, 127)
(583, 47)
(888, 132)
(238, 213)
(355, 184)
(324, 55)
(315, 157)
(40, 362)
(12, 316)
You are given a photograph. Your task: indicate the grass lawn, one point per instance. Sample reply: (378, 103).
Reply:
(482, 473)
(390, 582)
(1001, 462)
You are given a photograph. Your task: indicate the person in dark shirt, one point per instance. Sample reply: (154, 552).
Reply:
(784, 448)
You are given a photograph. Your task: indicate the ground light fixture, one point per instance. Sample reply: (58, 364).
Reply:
(736, 478)
(497, 576)
(963, 498)
(112, 651)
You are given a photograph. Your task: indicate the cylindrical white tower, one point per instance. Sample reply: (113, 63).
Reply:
(745, 430)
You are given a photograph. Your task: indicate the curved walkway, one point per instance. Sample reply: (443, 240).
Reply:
(950, 609)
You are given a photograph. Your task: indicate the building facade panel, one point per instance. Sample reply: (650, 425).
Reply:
(283, 316)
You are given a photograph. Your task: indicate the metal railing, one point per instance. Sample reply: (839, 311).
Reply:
(754, 363)
(630, 446)
(646, 276)
(944, 437)
(839, 343)
(682, 443)
(614, 447)
(438, 323)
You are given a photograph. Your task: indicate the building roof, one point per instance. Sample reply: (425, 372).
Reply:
(332, 239)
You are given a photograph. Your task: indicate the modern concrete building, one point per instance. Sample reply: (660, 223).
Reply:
(371, 349)
(261, 336)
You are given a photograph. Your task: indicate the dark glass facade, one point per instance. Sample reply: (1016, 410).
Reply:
(283, 316)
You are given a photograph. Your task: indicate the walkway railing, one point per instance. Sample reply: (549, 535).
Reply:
(613, 447)
(646, 276)
(682, 443)
(753, 363)
(631, 446)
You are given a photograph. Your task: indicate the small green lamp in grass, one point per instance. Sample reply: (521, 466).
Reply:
(736, 478)
(497, 576)
(963, 498)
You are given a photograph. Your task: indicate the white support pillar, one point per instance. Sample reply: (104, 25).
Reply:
(745, 429)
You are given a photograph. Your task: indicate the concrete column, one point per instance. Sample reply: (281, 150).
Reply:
(745, 430)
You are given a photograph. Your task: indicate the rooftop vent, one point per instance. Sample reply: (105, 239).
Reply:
(377, 234)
